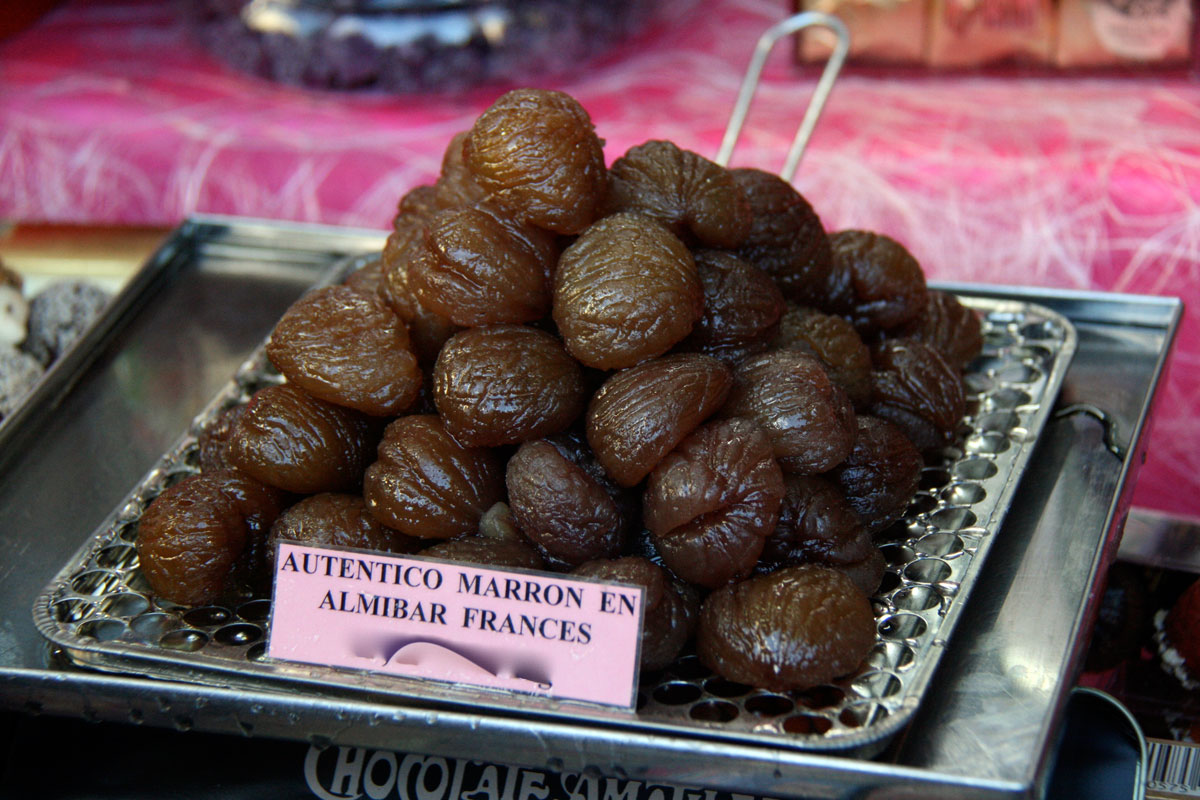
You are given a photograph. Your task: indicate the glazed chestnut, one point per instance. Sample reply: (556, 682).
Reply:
(367, 279)
(213, 441)
(347, 348)
(884, 284)
(948, 326)
(479, 267)
(625, 291)
(913, 387)
(536, 153)
(504, 384)
(711, 503)
(881, 474)
(340, 520)
(694, 197)
(867, 573)
(427, 330)
(793, 629)
(566, 512)
(786, 238)
(420, 201)
(425, 484)
(456, 184)
(289, 439)
(835, 343)
(742, 307)
(641, 413)
(668, 616)
(487, 552)
(816, 525)
(808, 417)
(193, 535)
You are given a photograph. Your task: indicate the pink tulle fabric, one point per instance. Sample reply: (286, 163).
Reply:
(110, 112)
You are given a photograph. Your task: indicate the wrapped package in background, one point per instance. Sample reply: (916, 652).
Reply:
(882, 31)
(970, 33)
(1043, 35)
(1098, 33)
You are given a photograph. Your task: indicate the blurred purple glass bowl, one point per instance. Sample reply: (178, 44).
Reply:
(418, 45)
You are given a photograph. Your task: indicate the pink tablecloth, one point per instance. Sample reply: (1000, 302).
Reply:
(109, 112)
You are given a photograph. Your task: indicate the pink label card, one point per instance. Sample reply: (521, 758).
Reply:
(529, 632)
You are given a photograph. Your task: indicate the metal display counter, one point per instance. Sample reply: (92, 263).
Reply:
(988, 725)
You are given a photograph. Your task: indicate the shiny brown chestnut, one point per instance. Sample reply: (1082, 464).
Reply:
(425, 484)
(668, 616)
(477, 266)
(881, 474)
(711, 503)
(505, 384)
(289, 439)
(347, 348)
(625, 291)
(790, 630)
(337, 520)
(807, 416)
(639, 414)
(915, 388)
(884, 285)
(536, 153)
(742, 307)
(834, 341)
(192, 536)
(697, 199)
(566, 512)
(786, 238)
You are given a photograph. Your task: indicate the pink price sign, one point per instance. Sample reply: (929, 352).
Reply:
(528, 632)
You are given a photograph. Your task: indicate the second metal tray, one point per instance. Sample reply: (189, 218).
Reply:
(100, 611)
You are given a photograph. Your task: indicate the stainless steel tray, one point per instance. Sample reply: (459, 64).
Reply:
(99, 611)
(989, 722)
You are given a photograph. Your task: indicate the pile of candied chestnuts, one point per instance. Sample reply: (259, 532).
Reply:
(661, 371)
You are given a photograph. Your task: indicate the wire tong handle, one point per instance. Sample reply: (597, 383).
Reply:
(766, 42)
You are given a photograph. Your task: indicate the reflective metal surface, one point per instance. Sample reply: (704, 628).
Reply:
(986, 728)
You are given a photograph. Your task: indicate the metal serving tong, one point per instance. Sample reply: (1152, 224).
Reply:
(829, 75)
